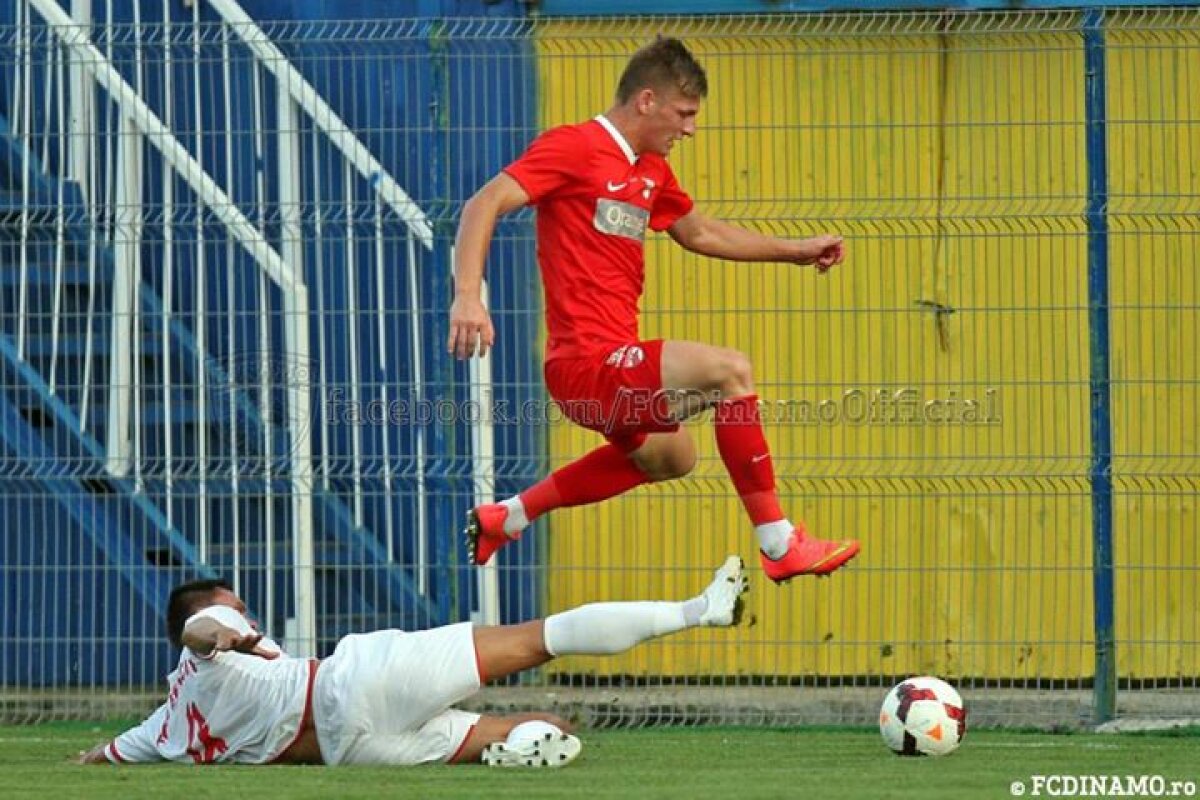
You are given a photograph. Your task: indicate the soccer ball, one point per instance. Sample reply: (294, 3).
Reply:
(923, 717)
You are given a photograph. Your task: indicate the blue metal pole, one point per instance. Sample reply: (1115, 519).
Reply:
(1105, 687)
(442, 449)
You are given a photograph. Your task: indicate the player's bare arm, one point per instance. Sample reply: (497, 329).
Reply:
(719, 239)
(471, 329)
(205, 636)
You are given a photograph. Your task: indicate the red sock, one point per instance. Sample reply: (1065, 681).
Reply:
(747, 457)
(603, 473)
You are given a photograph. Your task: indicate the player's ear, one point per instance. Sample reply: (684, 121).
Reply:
(645, 100)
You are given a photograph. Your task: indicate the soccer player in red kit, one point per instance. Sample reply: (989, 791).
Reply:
(597, 186)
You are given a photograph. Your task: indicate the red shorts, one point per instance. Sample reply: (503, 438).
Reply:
(618, 393)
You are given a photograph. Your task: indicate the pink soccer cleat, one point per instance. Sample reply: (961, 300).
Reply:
(485, 532)
(807, 555)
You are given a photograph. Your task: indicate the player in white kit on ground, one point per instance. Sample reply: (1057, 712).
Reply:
(383, 698)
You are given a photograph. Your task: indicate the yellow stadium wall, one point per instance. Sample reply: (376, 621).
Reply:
(1154, 94)
(955, 166)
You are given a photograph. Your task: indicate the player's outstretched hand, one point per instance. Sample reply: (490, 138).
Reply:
(93, 756)
(471, 330)
(248, 643)
(822, 252)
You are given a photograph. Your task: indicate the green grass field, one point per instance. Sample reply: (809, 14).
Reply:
(733, 763)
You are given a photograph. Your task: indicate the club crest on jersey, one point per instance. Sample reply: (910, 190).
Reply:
(621, 219)
(648, 185)
(628, 356)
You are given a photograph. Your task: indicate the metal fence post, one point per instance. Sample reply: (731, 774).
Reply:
(441, 376)
(1104, 689)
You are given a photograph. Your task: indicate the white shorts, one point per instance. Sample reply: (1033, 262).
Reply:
(384, 697)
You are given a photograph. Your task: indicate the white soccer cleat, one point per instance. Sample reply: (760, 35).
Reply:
(724, 595)
(549, 748)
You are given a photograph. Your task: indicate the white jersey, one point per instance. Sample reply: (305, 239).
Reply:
(231, 707)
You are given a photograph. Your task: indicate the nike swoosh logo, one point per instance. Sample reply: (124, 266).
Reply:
(756, 459)
(616, 187)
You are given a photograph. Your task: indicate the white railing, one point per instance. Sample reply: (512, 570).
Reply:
(303, 94)
(140, 127)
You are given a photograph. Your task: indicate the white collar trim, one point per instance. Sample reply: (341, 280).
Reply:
(617, 137)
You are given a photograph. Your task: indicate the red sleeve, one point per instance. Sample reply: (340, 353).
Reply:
(554, 158)
(670, 204)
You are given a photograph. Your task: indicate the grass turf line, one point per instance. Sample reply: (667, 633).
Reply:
(654, 762)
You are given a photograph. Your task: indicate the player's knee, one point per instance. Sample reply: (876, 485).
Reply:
(737, 374)
(676, 465)
(671, 464)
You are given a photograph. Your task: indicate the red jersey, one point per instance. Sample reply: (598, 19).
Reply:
(594, 198)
